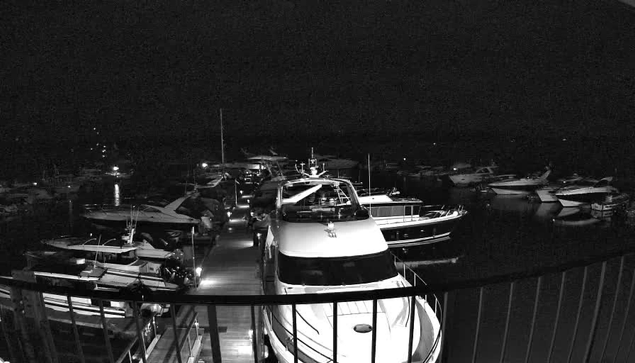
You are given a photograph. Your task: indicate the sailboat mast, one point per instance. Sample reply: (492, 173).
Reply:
(222, 142)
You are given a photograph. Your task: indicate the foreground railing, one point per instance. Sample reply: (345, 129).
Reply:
(579, 312)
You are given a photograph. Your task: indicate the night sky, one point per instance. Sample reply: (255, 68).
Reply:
(432, 68)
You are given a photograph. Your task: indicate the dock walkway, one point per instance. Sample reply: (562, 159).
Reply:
(230, 268)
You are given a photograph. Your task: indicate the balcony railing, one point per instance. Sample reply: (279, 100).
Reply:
(578, 312)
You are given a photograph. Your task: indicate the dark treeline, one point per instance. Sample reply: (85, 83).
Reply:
(598, 156)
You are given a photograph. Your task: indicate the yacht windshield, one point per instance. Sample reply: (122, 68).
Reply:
(336, 271)
(314, 202)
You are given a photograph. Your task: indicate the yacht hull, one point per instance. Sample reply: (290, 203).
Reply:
(576, 200)
(121, 223)
(509, 191)
(415, 233)
(427, 347)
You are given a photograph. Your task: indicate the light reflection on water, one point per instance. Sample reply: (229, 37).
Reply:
(116, 195)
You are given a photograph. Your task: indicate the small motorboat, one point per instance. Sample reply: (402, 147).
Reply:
(612, 202)
(582, 193)
(522, 186)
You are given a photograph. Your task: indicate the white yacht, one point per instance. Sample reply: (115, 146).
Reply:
(125, 245)
(182, 213)
(408, 222)
(521, 186)
(110, 269)
(546, 193)
(582, 192)
(479, 175)
(323, 241)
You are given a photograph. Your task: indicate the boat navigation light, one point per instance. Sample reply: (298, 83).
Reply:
(198, 271)
(115, 168)
(204, 165)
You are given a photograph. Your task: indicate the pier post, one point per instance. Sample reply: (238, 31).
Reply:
(213, 333)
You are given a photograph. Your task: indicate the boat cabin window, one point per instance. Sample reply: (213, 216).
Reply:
(336, 271)
(393, 211)
(329, 202)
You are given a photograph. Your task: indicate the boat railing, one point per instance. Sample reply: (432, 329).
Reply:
(413, 213)
(575, 311)
(431, 299)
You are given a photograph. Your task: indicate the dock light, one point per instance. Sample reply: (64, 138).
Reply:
(204, 165)
(34, 184)
(115, 168)
(198, 271)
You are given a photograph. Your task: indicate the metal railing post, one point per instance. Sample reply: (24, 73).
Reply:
(478, 323)
(373, 350)
(254, 335)
(177, 344)
(509, 313)
(628, 309)
(78, 342)
(142, 341)
(596, 312)
(533, 319)
(295, 333)
(335, 332)
(213, 333)
(577, 318)
(104, 325)
(617, 294)
(555, 324)
(446, 295)
(411, 330)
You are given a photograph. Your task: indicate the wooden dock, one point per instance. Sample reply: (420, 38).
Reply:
(230, 268)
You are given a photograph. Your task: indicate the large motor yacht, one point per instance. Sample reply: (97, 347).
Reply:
(322, 240)
(408, 222)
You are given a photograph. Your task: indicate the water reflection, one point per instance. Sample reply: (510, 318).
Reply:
(546, 211)
(511, 203)
(117, 195)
